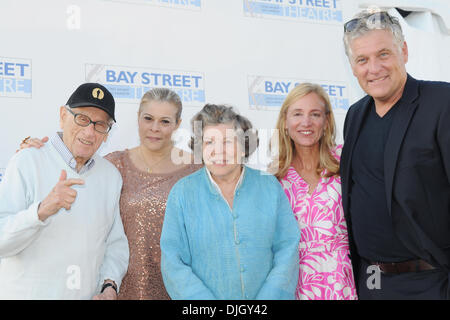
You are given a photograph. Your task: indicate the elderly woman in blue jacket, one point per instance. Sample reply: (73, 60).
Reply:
(229, 231)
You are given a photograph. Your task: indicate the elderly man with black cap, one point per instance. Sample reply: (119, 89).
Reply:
(61, 236)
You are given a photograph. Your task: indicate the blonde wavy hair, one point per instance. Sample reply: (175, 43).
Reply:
(286, 147)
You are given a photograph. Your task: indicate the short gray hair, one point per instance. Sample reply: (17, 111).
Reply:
(162, 95)
(364, 26)
(212, 114)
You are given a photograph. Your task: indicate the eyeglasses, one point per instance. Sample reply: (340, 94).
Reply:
(373, 21)
(84, 121)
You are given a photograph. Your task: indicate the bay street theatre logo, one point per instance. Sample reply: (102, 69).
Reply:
(128, 84)
(15, 77)
(268, 93)
(175, 4)
(321, 11)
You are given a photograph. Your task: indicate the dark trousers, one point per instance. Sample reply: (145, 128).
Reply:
(423, 285)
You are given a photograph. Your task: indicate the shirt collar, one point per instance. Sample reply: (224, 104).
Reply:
(67, 156)
(216, 186)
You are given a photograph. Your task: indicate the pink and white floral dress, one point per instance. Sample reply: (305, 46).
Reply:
(325, 266)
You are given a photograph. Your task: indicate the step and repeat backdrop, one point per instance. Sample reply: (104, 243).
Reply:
(246, 53)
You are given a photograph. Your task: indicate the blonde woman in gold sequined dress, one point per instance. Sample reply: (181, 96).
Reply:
(148, 173)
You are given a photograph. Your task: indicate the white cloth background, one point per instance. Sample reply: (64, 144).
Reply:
(228, 51)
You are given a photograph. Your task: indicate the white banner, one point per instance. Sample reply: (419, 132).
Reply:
(128, 84)
(177, 4)
(268, 93)
(15, 77)
(317, 11)
(245, 53)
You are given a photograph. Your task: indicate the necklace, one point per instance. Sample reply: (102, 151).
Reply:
(150, 168)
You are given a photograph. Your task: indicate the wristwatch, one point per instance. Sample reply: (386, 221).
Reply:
(109, 284)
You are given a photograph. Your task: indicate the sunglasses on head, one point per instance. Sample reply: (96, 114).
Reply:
(373, 21)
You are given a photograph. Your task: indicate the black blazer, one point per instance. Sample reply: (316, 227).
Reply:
(416, 169)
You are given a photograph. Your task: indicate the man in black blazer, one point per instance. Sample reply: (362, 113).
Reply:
(395, 168)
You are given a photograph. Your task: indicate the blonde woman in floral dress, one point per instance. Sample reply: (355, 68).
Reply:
(308, 169)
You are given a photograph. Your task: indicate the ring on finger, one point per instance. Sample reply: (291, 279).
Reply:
(26, 139)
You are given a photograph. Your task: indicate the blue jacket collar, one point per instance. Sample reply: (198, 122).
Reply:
(213, 189)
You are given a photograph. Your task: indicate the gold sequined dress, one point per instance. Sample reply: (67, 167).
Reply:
(142, 206)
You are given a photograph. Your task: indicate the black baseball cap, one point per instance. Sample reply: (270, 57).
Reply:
(93, 95)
